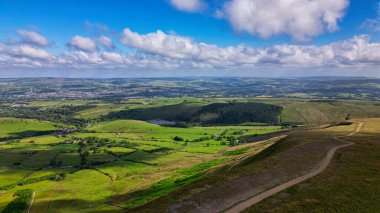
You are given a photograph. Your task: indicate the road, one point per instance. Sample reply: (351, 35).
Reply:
(320, 167)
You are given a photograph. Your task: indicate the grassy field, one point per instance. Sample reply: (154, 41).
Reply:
(133, 162)
(23, 127)
(115, 177)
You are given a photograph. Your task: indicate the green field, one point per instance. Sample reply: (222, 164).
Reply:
(115, 164)
(136, 163)
(23, 127)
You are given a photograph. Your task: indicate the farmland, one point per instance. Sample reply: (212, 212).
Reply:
(22, 128)
(190, 106)
(112, 165)
(123, 155)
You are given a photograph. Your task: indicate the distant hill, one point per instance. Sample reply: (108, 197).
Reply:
(269, 111)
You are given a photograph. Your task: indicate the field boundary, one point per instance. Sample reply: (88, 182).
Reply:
(31, 202)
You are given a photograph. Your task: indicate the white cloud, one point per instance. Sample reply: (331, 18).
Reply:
(112, 57)
(83, 44)
(30, 52)
(160, 43)
(2, 47)
(189, 5)
(106, 42)
(356, 50)
(161, 51)
(373, 24)
(301, 19)
(33, 38)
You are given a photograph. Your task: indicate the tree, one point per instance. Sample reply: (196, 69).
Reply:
(177, 138)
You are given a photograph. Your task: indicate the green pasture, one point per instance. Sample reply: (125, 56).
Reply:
(23, 127)
(122, 176)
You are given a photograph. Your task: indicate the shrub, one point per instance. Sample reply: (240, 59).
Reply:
(20, 203)
(177, 138)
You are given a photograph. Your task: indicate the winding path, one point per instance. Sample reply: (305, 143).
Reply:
(322, 165)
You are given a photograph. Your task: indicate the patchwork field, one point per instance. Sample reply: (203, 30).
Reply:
(99, 156)
(113, 165)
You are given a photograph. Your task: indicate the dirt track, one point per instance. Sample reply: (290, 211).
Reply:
(321, 166)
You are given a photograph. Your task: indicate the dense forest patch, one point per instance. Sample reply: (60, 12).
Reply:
(236, 113)
(216, 113)
(176, 112)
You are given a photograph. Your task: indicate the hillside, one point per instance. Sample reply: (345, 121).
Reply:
(342, 181)
(214, 113)
(236, 111)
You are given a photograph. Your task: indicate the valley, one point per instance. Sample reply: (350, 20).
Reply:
(187, 154)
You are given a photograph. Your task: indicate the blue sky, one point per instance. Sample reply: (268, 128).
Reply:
(187, 34)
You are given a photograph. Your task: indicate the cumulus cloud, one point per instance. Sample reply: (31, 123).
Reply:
(162, 51)
(33, 38)
(356, 50)
(160, 43)
(301, 19)
(189, 5)
(112, 57)
(83, 44)
(373, 24)
(106, 42)
(30, 52)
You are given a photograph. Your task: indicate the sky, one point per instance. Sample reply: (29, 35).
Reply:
(174, 38)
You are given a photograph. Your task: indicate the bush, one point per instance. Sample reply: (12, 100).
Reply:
(344, 123)
(20, 203)
(177, 138)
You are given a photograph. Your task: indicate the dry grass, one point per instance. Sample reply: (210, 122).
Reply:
(350, 184)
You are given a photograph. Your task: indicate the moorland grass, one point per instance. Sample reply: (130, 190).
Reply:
(351, 183)
(182, 177)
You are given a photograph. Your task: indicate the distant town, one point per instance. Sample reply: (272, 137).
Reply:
(318, 87)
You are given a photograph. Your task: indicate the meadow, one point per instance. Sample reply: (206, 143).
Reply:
(23, 127)
(130, 163)
(113, 164)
